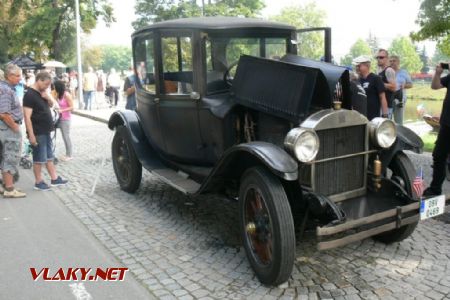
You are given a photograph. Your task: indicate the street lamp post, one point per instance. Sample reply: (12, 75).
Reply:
(80, 70)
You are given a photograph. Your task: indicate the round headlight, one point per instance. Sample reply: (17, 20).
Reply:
(303, 143)
(383, 132)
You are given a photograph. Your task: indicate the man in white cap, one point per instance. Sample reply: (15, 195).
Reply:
(374, 88)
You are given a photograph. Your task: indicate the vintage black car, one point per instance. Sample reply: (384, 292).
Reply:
(224, 105)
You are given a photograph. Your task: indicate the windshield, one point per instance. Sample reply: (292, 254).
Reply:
(222, 55)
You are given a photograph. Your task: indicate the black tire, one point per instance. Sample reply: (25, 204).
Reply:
(267, 226)
(127, 167)
(402, 167)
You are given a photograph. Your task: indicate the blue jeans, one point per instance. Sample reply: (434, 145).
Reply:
(88, 96)
(43, 151)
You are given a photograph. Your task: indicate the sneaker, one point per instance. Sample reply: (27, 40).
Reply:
(41, 186)
(13, 194)
(58, 181)
(430, 192)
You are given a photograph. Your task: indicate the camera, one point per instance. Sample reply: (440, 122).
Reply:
(444, 66)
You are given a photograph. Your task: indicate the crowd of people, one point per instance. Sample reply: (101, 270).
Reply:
(28, 104)
(34, 110)
(385, 92)
(384, 95)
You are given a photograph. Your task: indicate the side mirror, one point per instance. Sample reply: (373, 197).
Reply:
(195, 96)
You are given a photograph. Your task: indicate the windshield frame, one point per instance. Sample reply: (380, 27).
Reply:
(263, 34)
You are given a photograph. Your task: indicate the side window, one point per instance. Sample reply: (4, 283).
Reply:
(177, 64)
(144, 64)
(275, 48)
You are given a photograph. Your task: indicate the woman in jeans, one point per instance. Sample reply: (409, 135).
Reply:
(65, 107)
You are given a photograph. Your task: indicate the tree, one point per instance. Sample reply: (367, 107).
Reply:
(433, 18)
(439, 57)
(404, 48)
(360, 47)
(48, 26)
(117, 57)
(310, 45)
(11, 18)
(425, 61)
(106, 57)
(373, 43)
(93, 57)
(151, 11)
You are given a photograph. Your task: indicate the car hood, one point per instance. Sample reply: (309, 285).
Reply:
(291, 88)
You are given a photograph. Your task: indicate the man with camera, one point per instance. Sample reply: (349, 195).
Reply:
(442, 147)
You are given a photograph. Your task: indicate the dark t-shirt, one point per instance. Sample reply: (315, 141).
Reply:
(41, 117)
(373, 85)
(388, 93)
(445, 115)
(359, 98)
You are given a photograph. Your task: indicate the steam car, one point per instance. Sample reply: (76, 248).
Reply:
(229, 106)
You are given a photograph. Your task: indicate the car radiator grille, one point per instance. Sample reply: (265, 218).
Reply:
(341, 175)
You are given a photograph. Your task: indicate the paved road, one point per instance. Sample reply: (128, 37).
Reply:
(185, 248)
(39, 231)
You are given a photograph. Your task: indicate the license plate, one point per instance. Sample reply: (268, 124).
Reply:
(432, 207)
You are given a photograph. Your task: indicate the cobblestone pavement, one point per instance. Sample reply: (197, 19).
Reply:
(185, 248)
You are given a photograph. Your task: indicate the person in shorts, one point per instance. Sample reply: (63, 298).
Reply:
(39, 123)
(11, 116)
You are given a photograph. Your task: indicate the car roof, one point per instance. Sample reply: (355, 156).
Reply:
(215, 23)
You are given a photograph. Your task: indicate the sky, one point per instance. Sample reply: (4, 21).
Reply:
(348, 19)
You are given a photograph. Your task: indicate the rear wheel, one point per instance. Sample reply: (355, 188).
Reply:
(403, 172)
(267, 226)
(127, 167)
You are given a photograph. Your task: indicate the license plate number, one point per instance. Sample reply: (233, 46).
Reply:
(432, 207)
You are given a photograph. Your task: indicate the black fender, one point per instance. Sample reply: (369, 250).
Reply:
(240, 157)
(406, 140)
(144, 151)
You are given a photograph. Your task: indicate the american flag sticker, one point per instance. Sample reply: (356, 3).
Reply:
(417, 184)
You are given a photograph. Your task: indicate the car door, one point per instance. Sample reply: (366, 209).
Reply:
(147, 95)
(178, 110)
(315, 43)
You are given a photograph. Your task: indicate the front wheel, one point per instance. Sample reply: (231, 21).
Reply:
(266, 225)
(126, 165)
(403, 172)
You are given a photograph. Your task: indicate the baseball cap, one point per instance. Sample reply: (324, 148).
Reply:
(361, 59)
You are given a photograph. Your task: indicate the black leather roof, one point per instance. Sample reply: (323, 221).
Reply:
(215, 23)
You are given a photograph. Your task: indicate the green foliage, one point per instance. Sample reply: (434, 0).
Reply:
(439, 57)
(360, 47)
(425, 61)
(11, 18)
(409, 58)
(106, 57)
(117, 57)
(434, 21)
(46, 28)
(151, 11)
(310, 45)
(93, 57)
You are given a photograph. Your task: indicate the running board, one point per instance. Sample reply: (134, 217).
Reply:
(178, 180)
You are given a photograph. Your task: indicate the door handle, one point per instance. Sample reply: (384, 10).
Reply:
(156, 100)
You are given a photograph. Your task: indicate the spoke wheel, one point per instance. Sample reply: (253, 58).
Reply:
(267, 226)
(127, 167)
(403, 172)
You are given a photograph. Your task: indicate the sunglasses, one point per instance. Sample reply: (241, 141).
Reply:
(380, 57)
